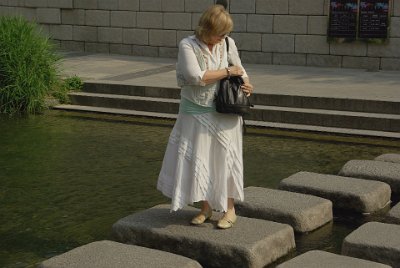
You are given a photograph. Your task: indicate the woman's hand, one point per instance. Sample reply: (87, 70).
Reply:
(247, 88)
(236, 71)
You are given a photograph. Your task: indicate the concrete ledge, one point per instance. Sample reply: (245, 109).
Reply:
(346, 193)
(394, 214)
(318, 259)
(105, 254)
(250, 243)
(303, 212)
(374, 241)
(374, 170)
(394, 158)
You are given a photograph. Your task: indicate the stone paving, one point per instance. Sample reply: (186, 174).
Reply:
(303, 212)
(106, 254)
(374, 170)
(375, 241)
(362, 196)
(250, 243)
(318, 259)
(394, 158)
(394, 214)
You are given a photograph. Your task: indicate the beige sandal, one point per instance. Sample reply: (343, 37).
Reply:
(226, 223)
(201, 217)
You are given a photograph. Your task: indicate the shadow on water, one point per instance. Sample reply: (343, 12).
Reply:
(65, 177)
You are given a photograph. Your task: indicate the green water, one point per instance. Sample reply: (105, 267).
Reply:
(65, 178)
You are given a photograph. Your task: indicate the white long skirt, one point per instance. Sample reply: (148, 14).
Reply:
(203, 161)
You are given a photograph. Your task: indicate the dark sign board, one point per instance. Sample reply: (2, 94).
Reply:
(343, 18)
(374, 18)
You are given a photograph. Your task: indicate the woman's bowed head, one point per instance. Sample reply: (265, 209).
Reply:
(214, 26)
(203, 161)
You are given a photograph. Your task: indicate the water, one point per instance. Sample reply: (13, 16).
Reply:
(66, 177)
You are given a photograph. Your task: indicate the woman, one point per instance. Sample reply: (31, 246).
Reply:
(203, 160)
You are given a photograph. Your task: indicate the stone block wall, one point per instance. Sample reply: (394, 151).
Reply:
(290, 32)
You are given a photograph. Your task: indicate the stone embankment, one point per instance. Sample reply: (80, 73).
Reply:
(265, 230)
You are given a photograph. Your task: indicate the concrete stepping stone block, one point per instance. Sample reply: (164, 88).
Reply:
(106, 254)
(393, 158)
(374, 170)
(394, 214)
(250, 243)
(318, 259)
(362, 196)
(374, 241)
(303, 212)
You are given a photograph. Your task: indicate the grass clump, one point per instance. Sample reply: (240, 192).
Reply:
(72, 83)
(28, 66)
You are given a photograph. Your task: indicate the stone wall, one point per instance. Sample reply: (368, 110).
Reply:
(290, 32)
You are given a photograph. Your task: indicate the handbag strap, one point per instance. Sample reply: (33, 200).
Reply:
(227, 50)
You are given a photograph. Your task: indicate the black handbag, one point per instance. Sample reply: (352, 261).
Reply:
(230, 98)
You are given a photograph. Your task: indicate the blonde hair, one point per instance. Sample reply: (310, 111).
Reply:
(214, 21)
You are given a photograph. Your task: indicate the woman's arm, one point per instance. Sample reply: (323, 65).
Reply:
(210, 77)
(189, 67)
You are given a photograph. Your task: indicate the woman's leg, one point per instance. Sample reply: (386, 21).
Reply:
(205, 206)
(205, 214)
(229, 217)
(230, 213)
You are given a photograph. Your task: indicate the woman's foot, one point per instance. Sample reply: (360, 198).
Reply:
(202, 217)
(227, 221)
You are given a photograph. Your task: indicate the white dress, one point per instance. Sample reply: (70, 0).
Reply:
(204, 157)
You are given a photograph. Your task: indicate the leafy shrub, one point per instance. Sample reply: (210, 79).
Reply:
(27, 66)
(60, 91)
(73, 83)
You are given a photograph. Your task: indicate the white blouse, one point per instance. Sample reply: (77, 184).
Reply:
(194, 59)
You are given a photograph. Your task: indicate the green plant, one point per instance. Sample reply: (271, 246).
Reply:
(60, 91)
(28, 64)
(73, 83)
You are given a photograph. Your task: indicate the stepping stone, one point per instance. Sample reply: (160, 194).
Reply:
(250, 243)
(394, 214)
(303, 212)
(105, 254)
(374, 170)
(375, 241)
(394, 158)
(362, 196)
(318, 259)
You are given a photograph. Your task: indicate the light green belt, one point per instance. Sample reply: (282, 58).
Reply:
(188, 107)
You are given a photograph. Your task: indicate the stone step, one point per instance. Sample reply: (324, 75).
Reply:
(362, 196)
(394, 158)
(106, 254)
(303, 212)
(131, 90)
(316, 117)
(341, 104)
(394, 214)
(318, 259)
(250, 243)
(327, 118)
(374, 241)
(346, 131)
(138, 103)
(374, 170)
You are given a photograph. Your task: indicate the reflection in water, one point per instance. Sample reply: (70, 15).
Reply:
(65, 178)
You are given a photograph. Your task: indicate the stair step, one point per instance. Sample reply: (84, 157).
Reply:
(303, 116)
(295, 101)
(283, 126)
